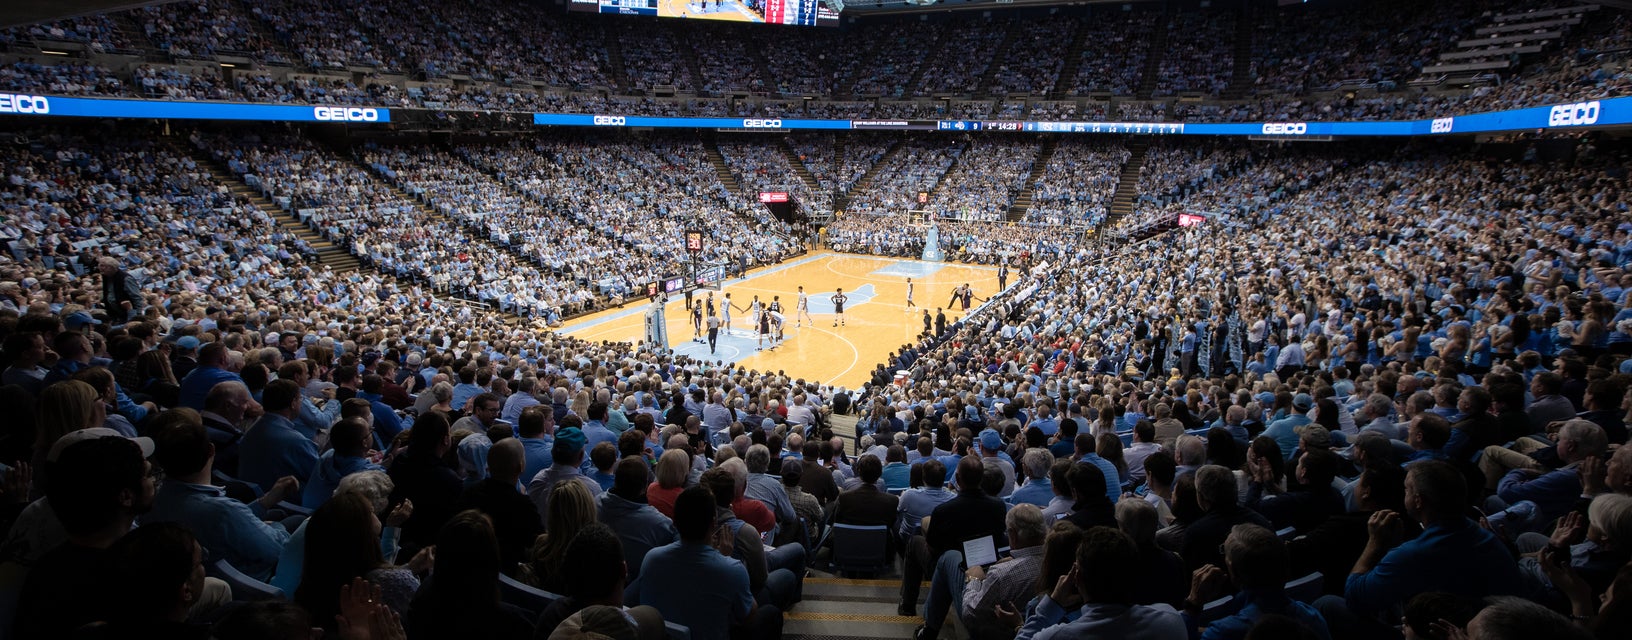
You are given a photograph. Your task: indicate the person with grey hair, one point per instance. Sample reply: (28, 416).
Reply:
(1161, 575)
(1009, 581)
(1218, 497)
(1037, 490)
(376, 486)
(766, 488)
(1190, 452)
(1510, 618)
(1550, 494)
(1376, 412)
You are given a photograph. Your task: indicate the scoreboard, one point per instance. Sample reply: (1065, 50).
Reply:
(804, 13)
(792, 12)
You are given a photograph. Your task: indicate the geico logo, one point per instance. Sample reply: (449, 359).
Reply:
(762, 124)
(1573, 115)
(14, 103)
(1286, 128)
(615, 121)
(346, 114)
(1441, 125)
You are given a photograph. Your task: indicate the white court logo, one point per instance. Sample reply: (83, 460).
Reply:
(19, 103)
(346, 114)
(762, 124)
(1286, 128)
(610, 121)
(1441, 125)
(1579, 114)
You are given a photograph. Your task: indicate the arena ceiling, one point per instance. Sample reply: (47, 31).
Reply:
(21, 12)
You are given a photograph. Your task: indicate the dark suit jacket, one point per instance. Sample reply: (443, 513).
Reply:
(866, 506)
(817, 481)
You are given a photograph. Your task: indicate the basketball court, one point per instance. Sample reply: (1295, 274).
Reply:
(876, 317)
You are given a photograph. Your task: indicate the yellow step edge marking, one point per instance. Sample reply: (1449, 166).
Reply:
(855, 582)
(850, 617)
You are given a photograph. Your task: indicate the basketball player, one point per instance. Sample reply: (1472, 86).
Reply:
(763, 319)
(776, 304)
(910, 304)
(725, 312)
(803, 311)
(968, 296)
(697, 323)
(778, 321)
(838, 307)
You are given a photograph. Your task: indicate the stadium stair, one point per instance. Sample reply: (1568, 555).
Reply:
(722, 171)
(940, 179)
(844, 609)
(867, 178)
(1022, 202)
(1241, 78)
(984, 86)
(268, 38)
(1153, 61)
(798, 165)
(614, 60)
(1127, 187)
(329, 254)
(688, 55)
(1067, 80)
(762, 69)
(936, 48)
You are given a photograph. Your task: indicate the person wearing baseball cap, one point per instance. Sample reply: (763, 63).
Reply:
(566, 456)
(100, 483)
(78, 320)
(1285, 430)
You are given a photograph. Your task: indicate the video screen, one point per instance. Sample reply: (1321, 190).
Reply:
(792, 12)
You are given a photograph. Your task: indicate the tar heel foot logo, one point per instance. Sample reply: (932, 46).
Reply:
(1579, 114)
(610, 121)
(346, 114)
(1441, 125)
(19, 103)
(1286, 128)
(762, 124)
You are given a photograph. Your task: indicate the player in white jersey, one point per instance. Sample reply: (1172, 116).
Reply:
(725, 313)
(910, 305)
(803, 311)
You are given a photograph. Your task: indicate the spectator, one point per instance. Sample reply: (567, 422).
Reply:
(721, 598)
(228, 529)
(349, 442)
(462, 594)
(273, 448)
(639, 526)
(515, 521)
(1106, 612)
(1256, 562)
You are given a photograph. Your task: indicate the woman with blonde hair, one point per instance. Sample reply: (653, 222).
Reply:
(572, 507)
(64, 407)
(107, 391)
(580, 404)
(672, 471)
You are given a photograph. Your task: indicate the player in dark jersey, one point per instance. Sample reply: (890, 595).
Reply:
(838, 306)
(697, 323)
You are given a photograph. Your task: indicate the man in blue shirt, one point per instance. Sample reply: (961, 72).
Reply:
(1555, 492)
(518, 401)
(639, 525)
(228, 529)
(273, 448)
(1257, 563)
(1098, 582)
(1452, 554)
(1037, 490)
(349, 441)
(466, 389)
(595, 429)
(535, 425)
(917, 503)
(1285, 430)
(693, 583)
(386, 422)
(211, 371)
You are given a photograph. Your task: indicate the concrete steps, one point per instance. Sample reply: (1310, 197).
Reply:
(329, 254)
(843, 608)
(1127, 185)
(1022, 202)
